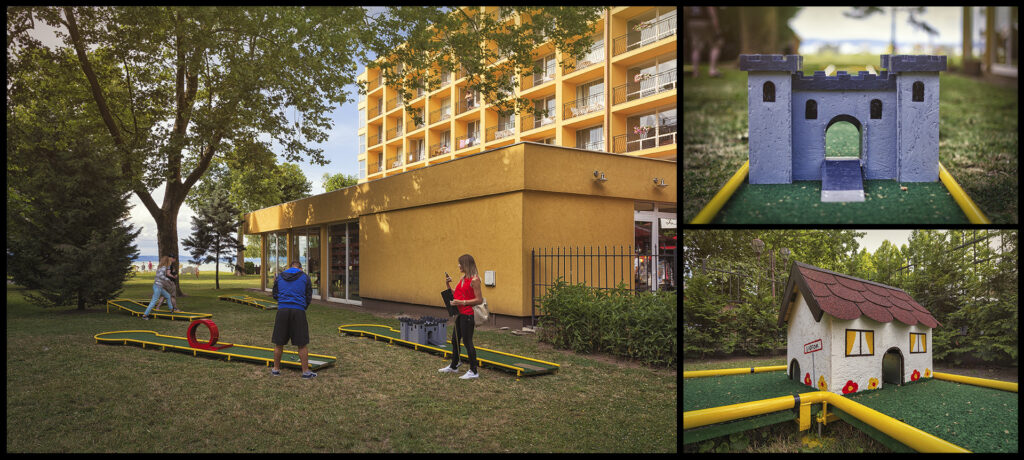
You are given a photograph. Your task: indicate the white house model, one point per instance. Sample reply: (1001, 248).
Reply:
(847, 335)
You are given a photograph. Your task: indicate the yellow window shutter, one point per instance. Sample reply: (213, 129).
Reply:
(924, 343)
(851, 336)
(869, 338)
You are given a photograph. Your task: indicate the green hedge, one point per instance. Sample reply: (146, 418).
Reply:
(636, 325)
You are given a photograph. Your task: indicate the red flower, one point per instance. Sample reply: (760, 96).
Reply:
(916, 375)
(850, 387)
(807, 379)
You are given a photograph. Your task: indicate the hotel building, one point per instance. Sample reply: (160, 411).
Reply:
(502, 190)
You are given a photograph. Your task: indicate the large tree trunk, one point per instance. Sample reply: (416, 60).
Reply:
(166, 218)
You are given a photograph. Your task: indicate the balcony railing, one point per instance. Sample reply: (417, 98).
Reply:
(373, 112)
(395, 161)
(595, 55)
(394, 132)
(501, 131)
(583, 106)
(440, 149)
(466, 141)
(644, 85)
(417, 156)
(374, 140)
(655, 137)
(394, 102)
(644, 33)
(375, 83)
(443, 113)
(465, 106)
(595, 145)
(540, 77)
(533, 121)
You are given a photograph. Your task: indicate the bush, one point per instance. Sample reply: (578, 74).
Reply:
(636, 325)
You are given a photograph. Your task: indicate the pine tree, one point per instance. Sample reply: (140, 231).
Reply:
(213, 232)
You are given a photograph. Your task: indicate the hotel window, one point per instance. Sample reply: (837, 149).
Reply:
(651, 77)
(860, 342)
(651, 26)
(918, 343)
(306, 249)
(590, 138)
(548, 104)
(362, 169)
(344, 261)
(277, 256)
(544, 69)
(589, 98)
(446, 107)
(362, 143)
(649, 130)
(362, 117)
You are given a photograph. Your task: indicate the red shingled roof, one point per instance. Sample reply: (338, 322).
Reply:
(846, 297)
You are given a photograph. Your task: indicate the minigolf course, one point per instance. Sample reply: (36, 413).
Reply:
(226, 350)
(521, 365)
(137, 308)
(245, 299)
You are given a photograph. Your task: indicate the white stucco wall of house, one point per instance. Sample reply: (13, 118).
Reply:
(803, 329)
(861, 369)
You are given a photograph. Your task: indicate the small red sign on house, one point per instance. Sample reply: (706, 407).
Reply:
(812, 346)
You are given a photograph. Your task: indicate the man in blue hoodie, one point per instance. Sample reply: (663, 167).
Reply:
(293, 292)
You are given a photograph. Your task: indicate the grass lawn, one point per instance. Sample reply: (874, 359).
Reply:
(66, 393)
(977, 134)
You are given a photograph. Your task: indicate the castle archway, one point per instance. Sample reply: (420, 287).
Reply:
(844, 136)
(842, 178)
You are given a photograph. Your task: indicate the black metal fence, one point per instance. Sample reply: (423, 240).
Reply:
(600, 268)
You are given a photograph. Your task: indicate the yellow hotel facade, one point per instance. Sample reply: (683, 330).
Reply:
(620, 98)
(385, 243)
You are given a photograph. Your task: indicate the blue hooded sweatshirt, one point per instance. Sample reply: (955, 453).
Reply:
(292, 289)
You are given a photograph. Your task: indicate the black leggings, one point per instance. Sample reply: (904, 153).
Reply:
(464, 325)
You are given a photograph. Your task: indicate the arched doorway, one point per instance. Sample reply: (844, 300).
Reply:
(842, 178)
(892, 366)
(794, 370)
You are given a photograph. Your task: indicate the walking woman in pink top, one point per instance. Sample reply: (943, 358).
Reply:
(467, 293)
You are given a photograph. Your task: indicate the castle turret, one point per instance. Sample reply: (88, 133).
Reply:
(770, 114)
(917, 129)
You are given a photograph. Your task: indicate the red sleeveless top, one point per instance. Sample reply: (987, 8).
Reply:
(464, 291)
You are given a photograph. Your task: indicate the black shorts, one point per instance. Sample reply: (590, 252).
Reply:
(291, 324)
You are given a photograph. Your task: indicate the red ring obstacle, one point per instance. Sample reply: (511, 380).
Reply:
(214, 335)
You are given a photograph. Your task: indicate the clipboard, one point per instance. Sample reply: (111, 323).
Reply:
(448, 296)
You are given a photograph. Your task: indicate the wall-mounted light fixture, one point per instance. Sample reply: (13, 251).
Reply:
(599, 176)
(662, 184)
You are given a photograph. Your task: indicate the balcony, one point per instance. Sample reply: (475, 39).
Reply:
(373, 112)
(645, 33)
(644, 85)
(655, 136)
(441, 114)
(395, 161)
(467, 141)
(417, 156)
(394, 102)
(467, 105)
(583, 106)
(595, 56)
(440, 149)
(394, 132)
(501, 131)
(530, 122)
(597, 146)
(374, 139)
(538, 78)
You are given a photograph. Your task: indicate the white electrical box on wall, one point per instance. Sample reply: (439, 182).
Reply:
(489, 278)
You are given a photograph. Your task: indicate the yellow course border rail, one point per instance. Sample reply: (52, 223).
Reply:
(136, 308)
(997, 384)
(969, 208)
(732, 371)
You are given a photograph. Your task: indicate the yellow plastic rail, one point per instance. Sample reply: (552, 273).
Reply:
(971, 210)
(705, 215)
(912, 437)
(997, 384)
(740, 370)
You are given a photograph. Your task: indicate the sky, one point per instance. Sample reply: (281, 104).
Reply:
(828, 23)
(873, 238)
(340, 149)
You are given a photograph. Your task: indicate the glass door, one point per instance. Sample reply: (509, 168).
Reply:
(654, 231)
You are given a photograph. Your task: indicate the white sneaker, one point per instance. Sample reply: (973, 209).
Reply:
(448, 368)
(470, 375)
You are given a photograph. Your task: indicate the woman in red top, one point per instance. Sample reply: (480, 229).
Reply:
(466, 293)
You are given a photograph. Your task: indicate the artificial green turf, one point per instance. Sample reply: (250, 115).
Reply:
(976, 418)
(722, 390)
(800, 203)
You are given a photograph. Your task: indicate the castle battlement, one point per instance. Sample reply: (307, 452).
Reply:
(771, 62)
(842, 81)
(913, 63)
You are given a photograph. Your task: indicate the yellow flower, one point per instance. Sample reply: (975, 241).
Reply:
(821, 383)
(872, 383)
(927, 372)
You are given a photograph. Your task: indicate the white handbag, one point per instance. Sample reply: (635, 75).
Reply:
(480, 313)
